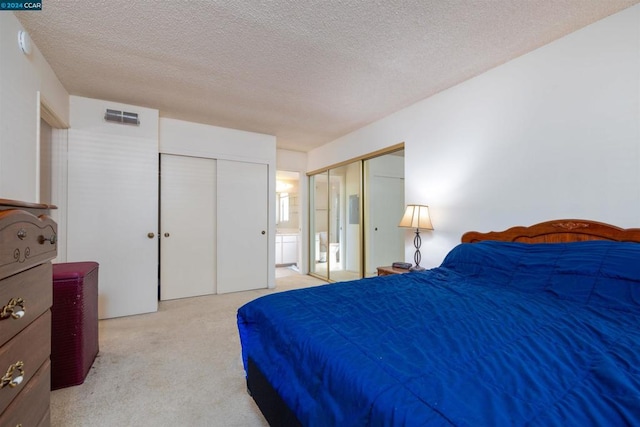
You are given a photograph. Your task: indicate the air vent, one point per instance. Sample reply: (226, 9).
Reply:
(123, 117)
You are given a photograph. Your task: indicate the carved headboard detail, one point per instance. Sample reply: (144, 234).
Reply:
(558, 231)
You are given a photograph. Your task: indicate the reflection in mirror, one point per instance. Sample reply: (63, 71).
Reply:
(318, 224)
(344, 223)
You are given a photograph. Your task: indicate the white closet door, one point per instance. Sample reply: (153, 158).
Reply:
(187, 226)
(243, 235)
(112, 206)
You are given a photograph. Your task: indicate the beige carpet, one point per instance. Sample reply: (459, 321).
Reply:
(179, 366)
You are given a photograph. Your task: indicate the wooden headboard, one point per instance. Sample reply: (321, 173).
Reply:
(558, 231)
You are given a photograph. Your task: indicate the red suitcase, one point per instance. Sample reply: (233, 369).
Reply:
(74, 322)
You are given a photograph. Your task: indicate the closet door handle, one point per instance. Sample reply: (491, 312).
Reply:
(263, 232)
(151, 235)
(166, 234)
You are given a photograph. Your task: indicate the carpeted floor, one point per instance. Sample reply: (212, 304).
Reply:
(179, 366)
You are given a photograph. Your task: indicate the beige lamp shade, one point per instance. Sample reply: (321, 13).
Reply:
(416, 216)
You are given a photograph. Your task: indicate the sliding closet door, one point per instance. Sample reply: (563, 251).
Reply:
(384, 206)
(354, 214)
(242, 226)
(187, 226)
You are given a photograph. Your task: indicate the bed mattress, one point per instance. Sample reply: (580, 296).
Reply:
(498, 335)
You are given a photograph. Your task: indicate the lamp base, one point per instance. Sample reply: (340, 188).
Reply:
(417, 268)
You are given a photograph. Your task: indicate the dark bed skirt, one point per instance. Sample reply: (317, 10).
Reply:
(275, 411)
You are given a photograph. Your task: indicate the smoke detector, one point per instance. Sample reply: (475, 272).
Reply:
(24, 41)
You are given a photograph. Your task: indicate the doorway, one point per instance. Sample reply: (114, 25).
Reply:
(52, 170)
(288, 222)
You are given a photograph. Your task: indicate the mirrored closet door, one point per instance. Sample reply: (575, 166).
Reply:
(354, 213)
(319, 224)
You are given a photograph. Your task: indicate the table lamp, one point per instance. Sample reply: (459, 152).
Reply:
(416, 216)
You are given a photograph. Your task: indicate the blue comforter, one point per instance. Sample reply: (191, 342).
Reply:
(501, 334)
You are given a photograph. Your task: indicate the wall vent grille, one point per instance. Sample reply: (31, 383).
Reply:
(123, 117)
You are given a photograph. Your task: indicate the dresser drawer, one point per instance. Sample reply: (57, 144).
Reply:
(24, 354)
(27, 241)
(31, 291)
(31, 407)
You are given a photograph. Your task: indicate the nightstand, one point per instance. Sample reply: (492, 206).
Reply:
(388, 271)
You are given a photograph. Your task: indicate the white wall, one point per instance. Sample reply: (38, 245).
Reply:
(22, 79)
(199, 140)
(193, 139)
(288, 160)
(552, 134)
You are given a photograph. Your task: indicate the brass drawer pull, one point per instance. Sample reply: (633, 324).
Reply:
(52, 239)
(14, 309)
(8, 380)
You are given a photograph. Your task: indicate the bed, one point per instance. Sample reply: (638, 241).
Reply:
(534, 325)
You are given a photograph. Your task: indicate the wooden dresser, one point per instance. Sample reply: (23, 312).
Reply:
(28, 243)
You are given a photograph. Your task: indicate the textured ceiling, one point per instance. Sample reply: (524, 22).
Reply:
(306, 71)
